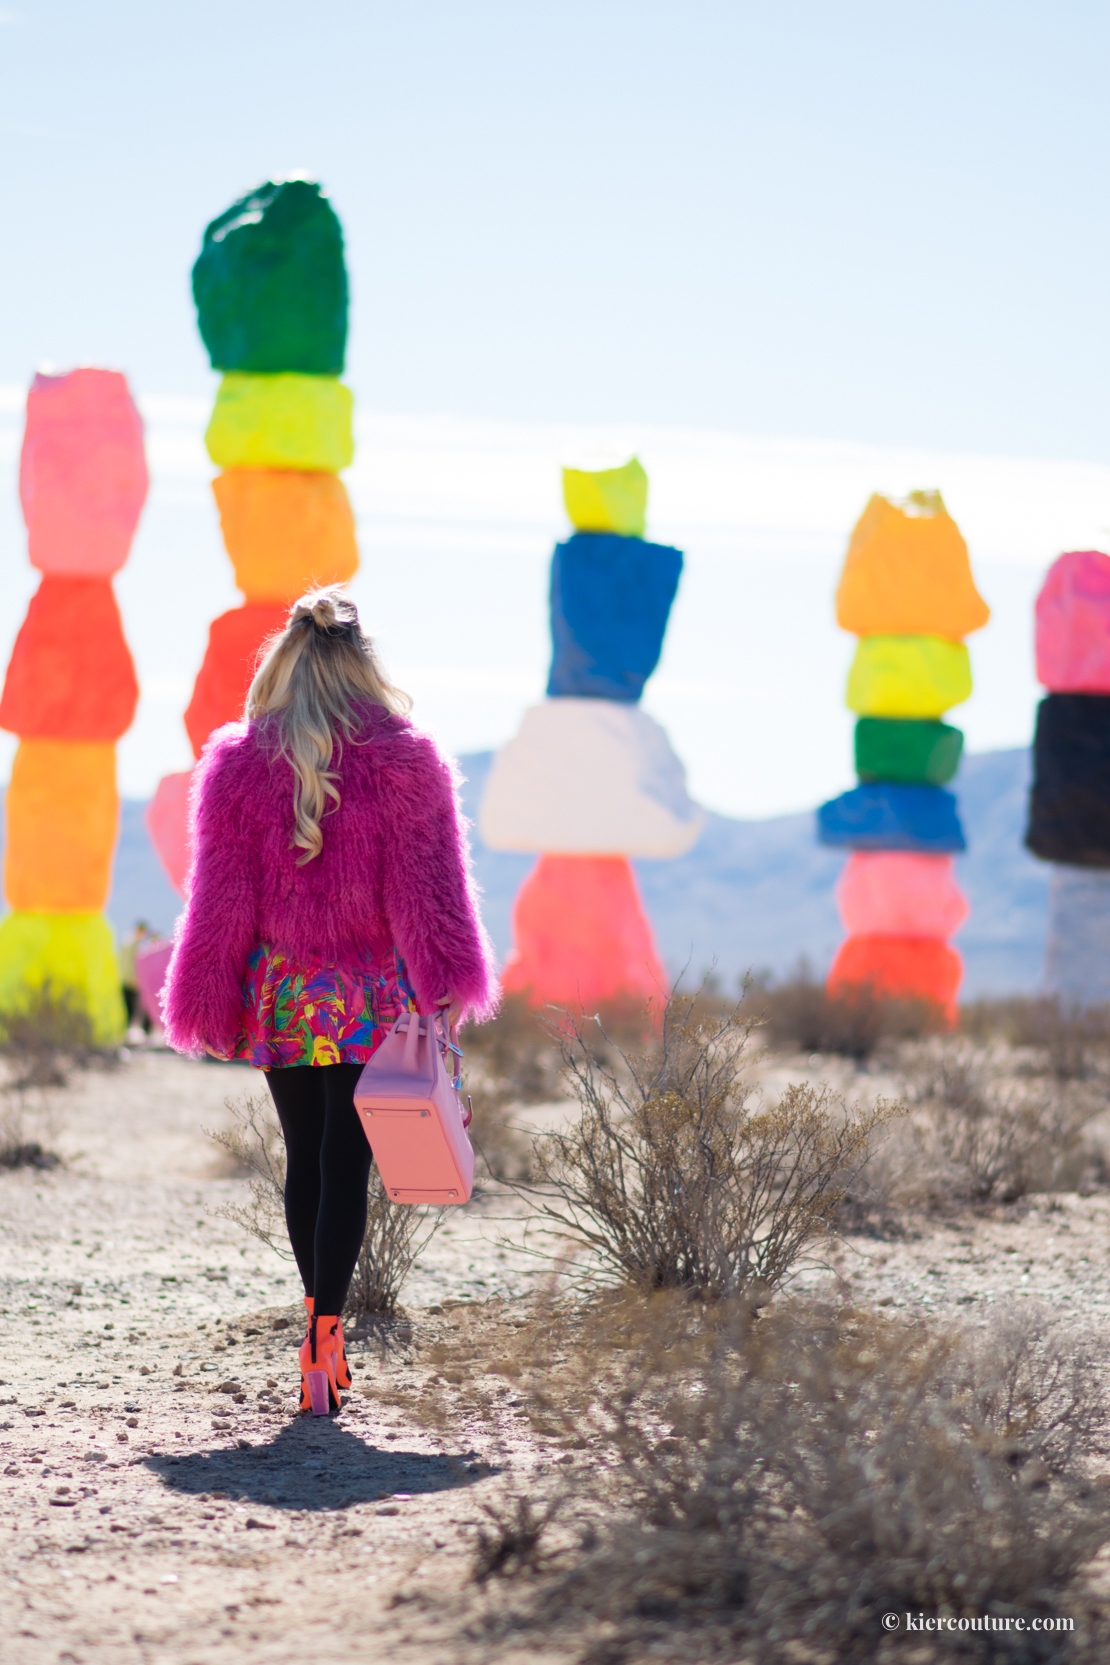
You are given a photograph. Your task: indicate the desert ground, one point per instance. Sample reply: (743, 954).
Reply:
(162, 1501)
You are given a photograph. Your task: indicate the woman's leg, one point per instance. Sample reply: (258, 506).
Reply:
(344, 1175)
(299, 1098)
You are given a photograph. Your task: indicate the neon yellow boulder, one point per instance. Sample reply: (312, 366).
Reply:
(607, 499)
(908, 676)
(281, 421)
(68, 957)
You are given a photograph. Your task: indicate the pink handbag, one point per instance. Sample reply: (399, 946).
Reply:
(412, 1116)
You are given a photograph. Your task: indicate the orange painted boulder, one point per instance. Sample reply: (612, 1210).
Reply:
(900, 893)
(899, 968)
(62, 812)
(581, 936)
(82, 473)
(71, 676)
(286, 531)
(220, 691)
(907, 573)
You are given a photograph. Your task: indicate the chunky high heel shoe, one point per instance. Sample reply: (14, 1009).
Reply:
(319, 1356)
(342, 1368)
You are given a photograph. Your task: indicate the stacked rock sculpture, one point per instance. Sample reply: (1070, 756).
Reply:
(70, 694)
(590, 779)
(270, 286)
(1069, 807)
(907, 592)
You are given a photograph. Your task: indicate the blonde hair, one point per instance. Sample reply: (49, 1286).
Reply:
(309, 680)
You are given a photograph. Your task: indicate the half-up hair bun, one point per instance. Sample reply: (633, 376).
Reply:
(313, 679)
(327, 611)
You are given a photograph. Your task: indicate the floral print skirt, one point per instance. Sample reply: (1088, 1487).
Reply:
(323, 1014)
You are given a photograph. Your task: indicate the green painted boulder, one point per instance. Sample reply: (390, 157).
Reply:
(905, 749)
(270, 284)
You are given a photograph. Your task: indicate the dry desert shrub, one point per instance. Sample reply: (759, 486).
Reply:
(1037, 1382)
(801, 1016)
(1073, 1041)
(987, 1132)
(395, 1236)
(513, 1540)
(47, 1038)
(774, 1484)
(19, 1148)
(511, 1061)
(675, 1177)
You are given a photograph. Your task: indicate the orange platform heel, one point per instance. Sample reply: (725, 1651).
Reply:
(319, 1356)
(342, 1368)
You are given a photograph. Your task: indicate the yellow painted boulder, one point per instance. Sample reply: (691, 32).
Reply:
(65, 957)
(908, 676)
(281, 421)
(907, 573)
(286, 531)
(607, 499)
(62, 811)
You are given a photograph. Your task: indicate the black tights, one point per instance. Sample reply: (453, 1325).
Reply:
(327, 1169)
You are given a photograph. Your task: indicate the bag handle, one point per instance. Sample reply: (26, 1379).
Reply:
(412, 1043)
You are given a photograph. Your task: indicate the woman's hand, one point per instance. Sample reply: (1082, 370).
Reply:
(222, 1057)
(451, 1010)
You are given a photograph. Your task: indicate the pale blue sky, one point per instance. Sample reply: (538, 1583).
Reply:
(867, 220)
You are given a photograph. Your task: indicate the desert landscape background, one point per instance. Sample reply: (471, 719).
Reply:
(522, 1469)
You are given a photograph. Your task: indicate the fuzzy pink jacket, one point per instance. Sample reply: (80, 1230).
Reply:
(393, 873)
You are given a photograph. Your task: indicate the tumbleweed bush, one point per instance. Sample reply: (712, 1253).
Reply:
(395, 1236)
(771, 1485)
(800, 1015)
(674, 1175)
(988, 1130)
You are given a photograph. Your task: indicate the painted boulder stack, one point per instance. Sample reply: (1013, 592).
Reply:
(1069, 806)
(590, 779)
(270, 286)
(70, 694)
(907, 592)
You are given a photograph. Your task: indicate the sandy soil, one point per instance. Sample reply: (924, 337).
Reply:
(162, 1502)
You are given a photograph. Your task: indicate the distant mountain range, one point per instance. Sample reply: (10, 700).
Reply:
(751, 895)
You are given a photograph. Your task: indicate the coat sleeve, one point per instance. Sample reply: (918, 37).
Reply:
(428, 892)
(203, 997)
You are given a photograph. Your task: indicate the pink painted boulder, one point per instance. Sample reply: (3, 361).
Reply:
(167, 822)
(151, 965)
(1073, 624)
(82, 474)
(900, 893)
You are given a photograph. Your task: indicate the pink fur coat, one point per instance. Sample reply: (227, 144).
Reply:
(393, 873)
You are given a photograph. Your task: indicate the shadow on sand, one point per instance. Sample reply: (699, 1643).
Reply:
(312, 1464)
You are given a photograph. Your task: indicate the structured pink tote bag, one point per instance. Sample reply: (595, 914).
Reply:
(412, 1117)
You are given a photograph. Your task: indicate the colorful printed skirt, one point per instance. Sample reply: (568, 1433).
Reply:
(327, 1014)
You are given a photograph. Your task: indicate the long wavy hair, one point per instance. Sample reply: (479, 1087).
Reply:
(309, 681)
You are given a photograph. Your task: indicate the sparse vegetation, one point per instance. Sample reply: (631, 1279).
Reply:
(994, 1133)
(512, 1542)
(1073, 1041)
(674, 1176)
(800, 1015)
(509, 1062)
(394, 1239)
(768, 1487)
(48, 1037)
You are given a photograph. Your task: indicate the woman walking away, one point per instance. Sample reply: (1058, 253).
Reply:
(329, 893)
